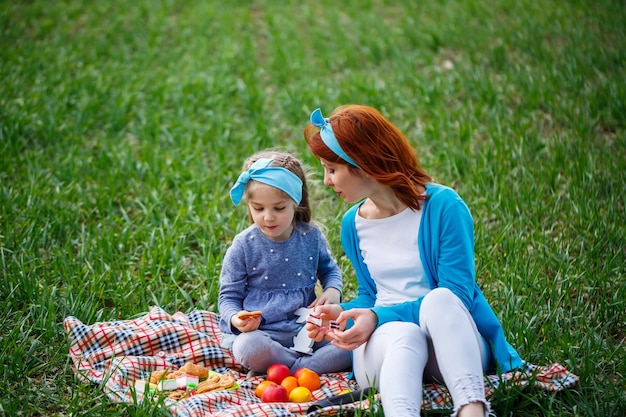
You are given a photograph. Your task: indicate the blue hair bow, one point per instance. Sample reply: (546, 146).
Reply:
(278, 177)
(328, 136)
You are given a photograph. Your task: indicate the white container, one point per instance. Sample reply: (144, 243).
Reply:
(142, 386)
(168, 385)
(187, 381)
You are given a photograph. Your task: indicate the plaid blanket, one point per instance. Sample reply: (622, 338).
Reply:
(115, 354)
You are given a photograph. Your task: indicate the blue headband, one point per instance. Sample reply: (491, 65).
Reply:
(278, 177)
(326, 132)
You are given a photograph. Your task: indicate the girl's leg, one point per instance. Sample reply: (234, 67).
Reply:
(258, 349)
(393, 360)
(325, 358)
(460, 352)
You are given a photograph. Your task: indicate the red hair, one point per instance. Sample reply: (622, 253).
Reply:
(377, 146)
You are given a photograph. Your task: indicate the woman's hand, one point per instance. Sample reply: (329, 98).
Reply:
(365, 322)
(326, 312)
(329, 296)
(247, 324)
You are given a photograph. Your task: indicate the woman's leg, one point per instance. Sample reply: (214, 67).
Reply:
(393, 360)
(460, 352)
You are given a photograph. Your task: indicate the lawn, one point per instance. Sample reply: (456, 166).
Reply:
(123, 125)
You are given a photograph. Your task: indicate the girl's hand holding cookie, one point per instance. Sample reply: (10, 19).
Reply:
(246, 321)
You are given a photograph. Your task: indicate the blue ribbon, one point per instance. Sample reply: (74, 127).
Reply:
(328, 136)
(278, 177)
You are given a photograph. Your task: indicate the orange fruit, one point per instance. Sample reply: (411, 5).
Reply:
(290, 383)
(309, 379)
(300, 395)
(261, 387)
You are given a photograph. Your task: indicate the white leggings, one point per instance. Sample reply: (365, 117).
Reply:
(445, 347)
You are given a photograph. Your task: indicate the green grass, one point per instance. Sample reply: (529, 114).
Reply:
(124, 124)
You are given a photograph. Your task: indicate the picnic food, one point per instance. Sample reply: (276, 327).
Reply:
(277, 372)
(243, 315)
(215, 382)
(193, 369)
(178, 394)
(300, 395)
(290, 383)
(297, 387)
(188, 368)
(275, 393)
(262, 386)
(158, 375)
(310, 379)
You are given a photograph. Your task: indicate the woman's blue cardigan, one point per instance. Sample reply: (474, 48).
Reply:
(446, 246)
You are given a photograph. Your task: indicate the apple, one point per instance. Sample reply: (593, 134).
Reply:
(275, 393)
(296, 373)
(276, 372)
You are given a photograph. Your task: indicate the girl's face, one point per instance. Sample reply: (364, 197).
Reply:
(349, 186)
(271, 210)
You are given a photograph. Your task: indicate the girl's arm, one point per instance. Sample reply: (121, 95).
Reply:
(233, 280)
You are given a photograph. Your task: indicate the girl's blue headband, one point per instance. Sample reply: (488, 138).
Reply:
(326, 132)
(278, 177)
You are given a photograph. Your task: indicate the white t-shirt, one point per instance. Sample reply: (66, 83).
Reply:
(389, 249)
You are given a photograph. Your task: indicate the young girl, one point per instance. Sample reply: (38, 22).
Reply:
(273, 266)
(419, 313)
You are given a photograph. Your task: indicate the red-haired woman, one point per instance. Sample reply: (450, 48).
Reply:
(419, 314)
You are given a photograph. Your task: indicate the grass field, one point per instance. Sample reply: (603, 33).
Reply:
(124, 123)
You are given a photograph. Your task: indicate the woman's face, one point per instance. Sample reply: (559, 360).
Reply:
(351, 187)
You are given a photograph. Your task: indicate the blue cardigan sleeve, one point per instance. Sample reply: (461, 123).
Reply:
(446, 244)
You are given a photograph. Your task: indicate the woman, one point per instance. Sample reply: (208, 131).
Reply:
(419, 314)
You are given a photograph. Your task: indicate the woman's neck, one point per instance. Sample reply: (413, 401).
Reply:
(381, 204)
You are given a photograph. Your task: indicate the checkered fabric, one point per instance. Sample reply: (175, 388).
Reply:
(115, 354)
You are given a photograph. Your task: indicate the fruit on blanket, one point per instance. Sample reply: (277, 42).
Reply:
(275, 393)
(290, 382)
(300, 395)
(277, 372)
(309, 379)
(296, 373)
(261, 387)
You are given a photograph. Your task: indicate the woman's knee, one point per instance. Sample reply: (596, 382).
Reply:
(397, 334)
(439, 299)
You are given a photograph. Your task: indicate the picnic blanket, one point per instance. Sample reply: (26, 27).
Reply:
(117, 353)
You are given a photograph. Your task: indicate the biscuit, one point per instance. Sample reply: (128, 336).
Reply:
(244, 315)
(215, 382)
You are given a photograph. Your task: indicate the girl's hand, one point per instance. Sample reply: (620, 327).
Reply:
(327, 313)
(247, 324)
(365, 322)
(329, 296)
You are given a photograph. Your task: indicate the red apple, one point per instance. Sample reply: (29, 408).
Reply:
(274, 393)
(296, 373)
(276, 372)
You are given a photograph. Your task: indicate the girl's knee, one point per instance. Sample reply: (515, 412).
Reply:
(249, 350)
